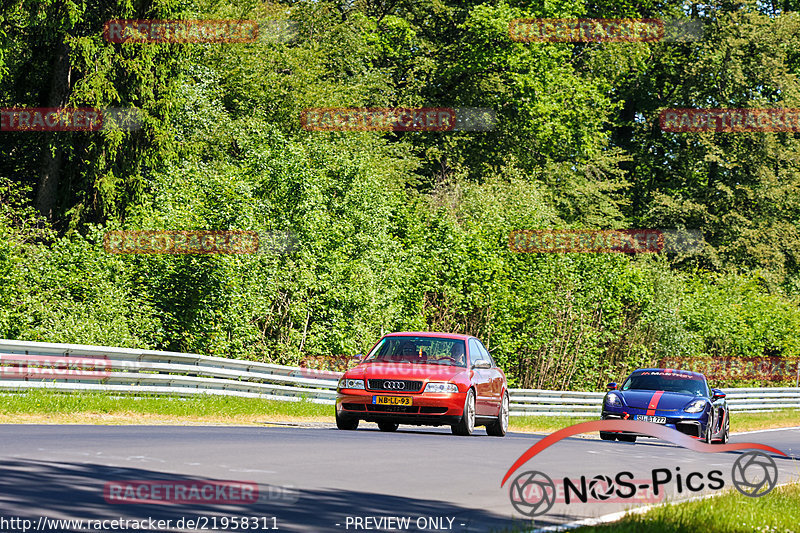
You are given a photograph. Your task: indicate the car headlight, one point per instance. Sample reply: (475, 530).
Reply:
(613, 400)
(441, 387)
(351, 383)
(695, 407)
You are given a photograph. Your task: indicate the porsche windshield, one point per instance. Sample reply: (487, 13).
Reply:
(667, 381)
(419, 350)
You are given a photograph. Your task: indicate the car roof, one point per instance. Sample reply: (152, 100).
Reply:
(429, 334)
(697, 375)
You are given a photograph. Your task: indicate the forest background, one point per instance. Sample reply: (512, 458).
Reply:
(404, 230)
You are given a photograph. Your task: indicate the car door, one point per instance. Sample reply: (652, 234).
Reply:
(481, 378)
(717, 412)
(495, 380)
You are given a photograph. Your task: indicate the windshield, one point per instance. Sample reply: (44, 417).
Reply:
(419, 350)
(667, 381)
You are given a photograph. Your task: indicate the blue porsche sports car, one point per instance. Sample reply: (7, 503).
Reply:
(679, 399)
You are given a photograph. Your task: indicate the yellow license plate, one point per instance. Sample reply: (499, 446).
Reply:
(391, 400)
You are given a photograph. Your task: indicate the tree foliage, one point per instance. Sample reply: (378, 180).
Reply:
(403, 230)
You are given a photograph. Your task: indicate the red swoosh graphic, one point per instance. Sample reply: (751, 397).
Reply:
(651, 409)
(635, 426)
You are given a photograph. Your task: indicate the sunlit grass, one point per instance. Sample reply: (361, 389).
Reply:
(211, 408)
(753, 421)
(739, 421)
(44, 405)
(777, 512)
(544, 424)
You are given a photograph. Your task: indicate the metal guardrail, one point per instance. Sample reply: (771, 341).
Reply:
(532, 402)
(135, 371)
(35, 365)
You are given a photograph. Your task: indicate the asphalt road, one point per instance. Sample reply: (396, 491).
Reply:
(322, 479)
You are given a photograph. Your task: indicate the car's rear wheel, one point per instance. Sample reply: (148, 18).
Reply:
(500, 427)
(626, 438)
(388, 426)
(466, 425)
(607, 436)
(347, 423)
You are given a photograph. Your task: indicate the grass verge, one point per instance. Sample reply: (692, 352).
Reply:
(739, 421)
(43, 406)
(775, 419)
(731, 512)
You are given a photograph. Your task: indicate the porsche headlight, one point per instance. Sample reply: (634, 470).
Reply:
(436, 386)
(345, 383)
(613, 400)
(695, 407)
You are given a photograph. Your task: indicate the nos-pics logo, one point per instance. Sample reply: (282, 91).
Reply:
(533, 493)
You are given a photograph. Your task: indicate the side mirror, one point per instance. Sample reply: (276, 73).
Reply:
(482, 363)
(717, 394)
(611, 386)
(358, 356)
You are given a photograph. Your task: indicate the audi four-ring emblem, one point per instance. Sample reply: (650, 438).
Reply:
(394, 385)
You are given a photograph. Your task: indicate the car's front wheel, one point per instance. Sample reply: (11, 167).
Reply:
(347, 423)
(388, 426)
(466, 425)
(727, 433)
(707, 436)
(626, 438)
(500, 426)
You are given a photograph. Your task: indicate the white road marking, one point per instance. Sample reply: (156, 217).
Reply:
(144, 459)
(764, 430)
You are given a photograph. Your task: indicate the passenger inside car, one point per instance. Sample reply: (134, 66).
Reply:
(458, 355)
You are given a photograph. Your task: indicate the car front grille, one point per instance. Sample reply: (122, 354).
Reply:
(394, 385)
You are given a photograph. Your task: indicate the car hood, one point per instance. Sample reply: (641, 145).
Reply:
(405, 371)
(668, 401)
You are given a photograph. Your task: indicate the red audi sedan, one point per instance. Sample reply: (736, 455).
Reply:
(428, 379)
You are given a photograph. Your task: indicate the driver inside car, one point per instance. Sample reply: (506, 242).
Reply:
(458, 355)
(409, 352)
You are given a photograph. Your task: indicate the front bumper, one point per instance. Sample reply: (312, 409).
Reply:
(691, 424)
(429, 409)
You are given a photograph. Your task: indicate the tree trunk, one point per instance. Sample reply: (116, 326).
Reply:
(50, 169)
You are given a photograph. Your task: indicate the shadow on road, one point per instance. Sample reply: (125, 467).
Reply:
(30, 489)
